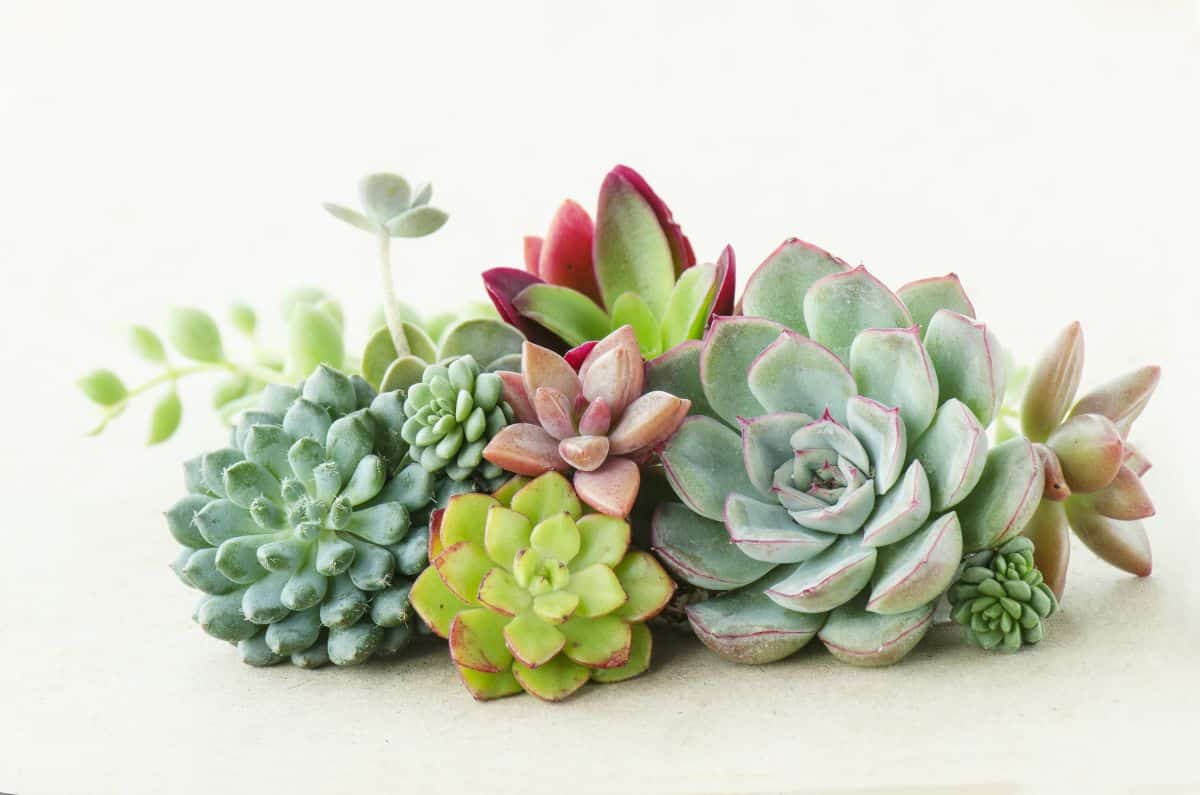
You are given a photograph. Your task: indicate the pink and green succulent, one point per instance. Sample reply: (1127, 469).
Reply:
(598, 423)
(838, 465)
(1093, 474)
(536, 594)
(633, 267)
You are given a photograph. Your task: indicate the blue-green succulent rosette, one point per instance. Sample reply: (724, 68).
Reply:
(836, 466)
(304, 533)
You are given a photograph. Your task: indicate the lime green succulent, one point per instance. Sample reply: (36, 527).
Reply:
(1001, 598)
(536, 595)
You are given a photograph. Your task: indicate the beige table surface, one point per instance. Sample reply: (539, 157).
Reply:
(157, 154)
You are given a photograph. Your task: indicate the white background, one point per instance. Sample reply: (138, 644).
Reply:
(165, 153)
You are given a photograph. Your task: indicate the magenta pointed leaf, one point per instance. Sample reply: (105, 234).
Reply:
(727, 277)
(566, 253)
(503, 285)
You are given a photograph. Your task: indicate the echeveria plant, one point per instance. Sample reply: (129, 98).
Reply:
(535, 594)
(300, 532)
(633, 267)
(1093, 473)
(598, 422)
(839, 465)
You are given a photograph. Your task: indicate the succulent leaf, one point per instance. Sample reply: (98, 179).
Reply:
(1052, 384)
(953, 453)
(839, 306)
(925, 297)
(915, 571)
(968, 362)
(690, 304)
(796, 374)
(748, 627)
(678, 371)
(699, 552)
(568, 313)
(730, 347)
(1090, 451)
(1005, 498)
(702, 462)
(828, 579)
(632, 253)
(564, 257)
(892, 367)
(1121, 544)
(858, 637)
(1122, 399)
(777, 287)
(1049, 531)
(631, 310)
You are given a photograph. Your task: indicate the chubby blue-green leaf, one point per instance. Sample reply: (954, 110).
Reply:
(892, 367)
(731, 346)
(767, 532)
(486, 339)
(796, 374)
(703, 462)
(776, 289)
(417, 222)
(678, 372)
(828, 579)
(1005, 498)
(747, 627)
(915, 571)
(699, 551)
(766, 444)
(629, 309)
(568, 313)
(900, 511)
(351, 217)
(881, 432)
(689, 306)
(953, 452)
(969, 362)
(194, 334)
(858, 637)
(384, 196)
(925, 297)
(839, 307)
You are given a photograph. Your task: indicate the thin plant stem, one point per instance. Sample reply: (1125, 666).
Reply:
(391, 309)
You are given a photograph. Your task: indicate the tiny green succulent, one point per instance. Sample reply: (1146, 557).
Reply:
(1001, 599)
(301, 532)
(450, 416)
(534, 594)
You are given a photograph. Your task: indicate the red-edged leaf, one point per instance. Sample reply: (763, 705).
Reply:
(681, 247)
(566, 252)
(727, 271)
(503, 285)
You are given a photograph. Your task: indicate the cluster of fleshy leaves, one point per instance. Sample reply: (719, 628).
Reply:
(598, 423)
(304, 533)
(535, 594)
(633, 267)
(1093, 474)
(314, 326)
(1001, 599)
(837, 465)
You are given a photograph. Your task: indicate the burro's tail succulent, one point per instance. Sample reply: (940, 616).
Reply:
(838, 466)
(301, 532)
(1093, 473)
(1001, 598)
(599, 422)
(535, 594)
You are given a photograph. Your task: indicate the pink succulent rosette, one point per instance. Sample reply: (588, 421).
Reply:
(597, 422)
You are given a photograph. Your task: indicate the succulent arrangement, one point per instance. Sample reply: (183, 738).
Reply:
(825, 458)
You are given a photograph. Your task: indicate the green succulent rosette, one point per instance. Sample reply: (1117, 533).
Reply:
(535, 595)
(304, 533)
(450, 416)
(838, 465)
(1001, 599)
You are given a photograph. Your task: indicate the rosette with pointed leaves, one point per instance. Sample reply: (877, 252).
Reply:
(1001, 598)
(597, 422)
(300, 533)
(838, 465)
(451, 415)
(633, 267)
(535, 594)
(1093, 474)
